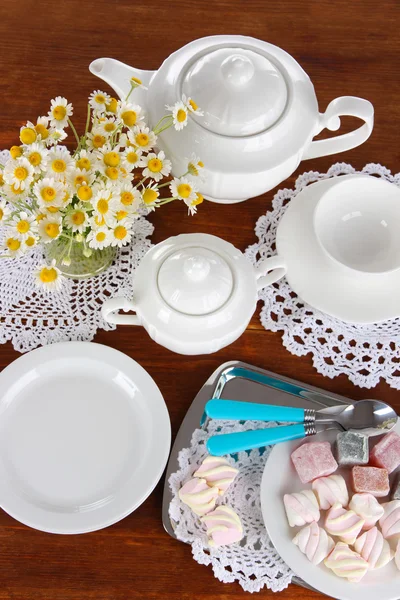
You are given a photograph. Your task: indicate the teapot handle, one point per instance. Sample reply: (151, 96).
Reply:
(330, 119)
(110, 313)
(278, 269)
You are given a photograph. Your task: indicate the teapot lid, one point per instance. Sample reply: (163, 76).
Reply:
(240, 90)
(195, 281)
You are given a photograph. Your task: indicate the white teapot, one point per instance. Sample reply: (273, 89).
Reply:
(194, 293)
(260, 112)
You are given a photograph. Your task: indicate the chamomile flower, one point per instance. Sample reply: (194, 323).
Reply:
(179, 114)
(96, 139)
(156, 165)
(42, 128)
(183, 189)
(27, 134)
(192, 106)
(49, 277)
(5, 211)
(193, 204)
(13, 193)
(55, 137)
(107, 126)
(130, 158)
(142, 137)
(107, 157)
(85, 192)
(99, 237)
(129, 196)
(49, 192)
(60, 163)
(50, 228)
(37, 156)
(84, 160)
(16, 151)
(59, 112)
(23, 226)
(195, 166)
(150, 196)
(78, 177)
(130, 114)
(30, 242)
(98, 101)
(121, 233)
(14, 246)
(76, 219)
(104, 205)
(19, 173)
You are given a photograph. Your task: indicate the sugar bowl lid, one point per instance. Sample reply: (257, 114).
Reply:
(240, 90)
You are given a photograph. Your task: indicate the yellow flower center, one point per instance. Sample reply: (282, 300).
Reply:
(23, 226)
(155, 165)
(78, 217)
(98, 140)
(21, 173)
(99, 221)
(30, 241)
(181, 115)
(15, 151)
(27, 135)
(1, 179)
(80, 180)
(52, 229)
(111, 159)
(142, 139)
(149, 196)
(15, 190)
(42, 131)
(127, 198)
(13, 244)
(121, 214)
(99, 98)
(84, 193)
(48, 275)
(109, 127)
(184, 190)
(35, 158)
(193, 104)
(100, 236)
(112, 172)
(200, 164)
(1, 214)
(52, 209)
(129, 117)
(39, 217)
(132, 157)
(83, 163)
(136, 80)
(59, 113)
(102, 206)
(112, 107)
(199, 199)
(120, 232)
(59, 165)
(48, 194)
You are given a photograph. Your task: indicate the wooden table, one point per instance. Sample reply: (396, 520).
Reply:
(347, 47)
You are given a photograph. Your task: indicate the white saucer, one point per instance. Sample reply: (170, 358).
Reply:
(318, 280)
(280, 478)
(84, 437)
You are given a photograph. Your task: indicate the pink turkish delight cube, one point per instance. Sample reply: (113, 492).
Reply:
(371, 480)
(386, 453)
(314, 460)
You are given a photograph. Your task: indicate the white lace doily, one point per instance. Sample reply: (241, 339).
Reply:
(254, 562)
(365, 353)
(30, 318)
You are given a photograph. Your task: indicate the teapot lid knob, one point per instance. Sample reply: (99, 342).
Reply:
(237, 69)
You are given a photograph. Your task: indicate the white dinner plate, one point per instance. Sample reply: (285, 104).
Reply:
(317, 279)
(84, 437)
(280, 478)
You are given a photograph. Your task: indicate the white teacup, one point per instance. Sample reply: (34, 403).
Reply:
(357, 223)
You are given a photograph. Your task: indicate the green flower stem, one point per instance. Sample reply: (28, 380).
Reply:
(87, 120)
(164, 127)
(133, 86)
(161, 185)
(74, 131)
(170, 119)
(167, 201)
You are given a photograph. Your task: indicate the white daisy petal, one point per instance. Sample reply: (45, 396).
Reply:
(59, 112)
(49, 277)
(156, 166)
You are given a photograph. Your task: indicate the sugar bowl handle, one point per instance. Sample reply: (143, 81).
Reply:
(110, 312)
(330, 119)
(276, 266)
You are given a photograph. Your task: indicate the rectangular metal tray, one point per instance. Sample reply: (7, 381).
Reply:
(236, 380)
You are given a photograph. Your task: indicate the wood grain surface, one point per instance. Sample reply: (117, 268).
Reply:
(347, 48)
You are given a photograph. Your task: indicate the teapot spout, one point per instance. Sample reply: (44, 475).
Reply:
(118, 76)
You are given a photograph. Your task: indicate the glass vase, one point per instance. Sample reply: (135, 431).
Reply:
(63, 250)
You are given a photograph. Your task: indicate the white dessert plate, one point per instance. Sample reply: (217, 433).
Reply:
(280, 478)
(320, 281)
(84, 437)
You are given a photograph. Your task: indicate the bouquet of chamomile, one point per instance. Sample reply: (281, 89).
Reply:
(92, 195)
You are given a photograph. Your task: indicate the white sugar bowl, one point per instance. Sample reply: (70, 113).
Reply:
(194, 293)
(260, 112)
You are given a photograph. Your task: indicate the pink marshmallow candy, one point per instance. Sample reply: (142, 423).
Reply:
(224, 526)
(386, 453)
(314, 460)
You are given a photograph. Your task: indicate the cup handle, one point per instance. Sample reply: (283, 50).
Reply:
(278, 269)
(330, 119)
(110, 312)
